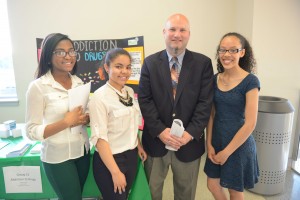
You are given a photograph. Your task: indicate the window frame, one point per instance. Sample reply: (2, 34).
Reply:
(8, 91)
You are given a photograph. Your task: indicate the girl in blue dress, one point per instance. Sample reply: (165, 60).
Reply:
(231, 150)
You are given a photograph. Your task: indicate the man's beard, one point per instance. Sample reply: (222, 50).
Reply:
(176, 50)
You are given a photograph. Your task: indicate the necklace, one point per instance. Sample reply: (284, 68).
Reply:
(230, 82)
(125, 101)
(223, 82)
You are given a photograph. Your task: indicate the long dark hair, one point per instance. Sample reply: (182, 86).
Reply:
(48, 46)
(247, 62)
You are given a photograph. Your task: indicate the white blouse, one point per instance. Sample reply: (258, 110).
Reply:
(47, 102)
(112, 121)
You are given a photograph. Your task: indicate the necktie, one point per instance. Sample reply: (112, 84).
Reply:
(174, 74)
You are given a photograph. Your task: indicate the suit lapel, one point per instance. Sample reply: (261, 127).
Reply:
(184, 74)
(166, 74)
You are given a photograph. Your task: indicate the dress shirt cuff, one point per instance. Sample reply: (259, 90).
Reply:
(40, 132)
(96, 135)
(94, 140)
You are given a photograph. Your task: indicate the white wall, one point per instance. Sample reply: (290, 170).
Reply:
(271, 25)
(276, 31)
(99, 19)
(244, 18)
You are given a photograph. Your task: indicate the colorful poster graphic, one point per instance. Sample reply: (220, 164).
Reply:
(91, 54)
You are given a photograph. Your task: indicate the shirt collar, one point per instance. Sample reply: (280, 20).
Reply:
(123, 90)
(179, 57)
(48, 79)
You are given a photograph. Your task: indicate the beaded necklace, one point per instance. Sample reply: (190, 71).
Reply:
(125, 101)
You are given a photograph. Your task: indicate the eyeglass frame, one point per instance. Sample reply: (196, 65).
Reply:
(66, 53)
(230, 51)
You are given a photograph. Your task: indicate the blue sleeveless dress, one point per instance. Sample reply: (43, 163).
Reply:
(241, 169)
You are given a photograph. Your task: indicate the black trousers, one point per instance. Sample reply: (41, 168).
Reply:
(127, 162)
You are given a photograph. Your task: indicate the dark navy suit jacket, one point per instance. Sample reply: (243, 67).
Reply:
(192, 102)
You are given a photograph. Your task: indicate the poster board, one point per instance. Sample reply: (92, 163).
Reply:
(91, 53)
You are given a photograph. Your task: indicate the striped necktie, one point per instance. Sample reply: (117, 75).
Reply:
(174, 74)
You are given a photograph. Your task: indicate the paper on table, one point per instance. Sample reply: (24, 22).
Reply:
(177, 129)
(79, 96)
(36, 149)
(19, 150)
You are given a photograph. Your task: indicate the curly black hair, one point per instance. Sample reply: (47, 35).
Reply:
(247, 62)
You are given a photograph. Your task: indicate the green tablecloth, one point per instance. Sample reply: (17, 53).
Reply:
(140, 189)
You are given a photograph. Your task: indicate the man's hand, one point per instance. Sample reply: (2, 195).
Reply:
(184, 139)
(168, 139)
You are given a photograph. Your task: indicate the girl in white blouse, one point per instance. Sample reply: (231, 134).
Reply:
(114, 119)
(65, 155)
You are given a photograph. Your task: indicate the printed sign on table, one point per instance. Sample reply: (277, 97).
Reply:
(22, 179)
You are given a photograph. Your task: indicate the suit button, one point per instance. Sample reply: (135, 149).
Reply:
(174, 115)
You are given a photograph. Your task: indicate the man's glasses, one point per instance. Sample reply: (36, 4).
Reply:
(231, 51)
(62, 54)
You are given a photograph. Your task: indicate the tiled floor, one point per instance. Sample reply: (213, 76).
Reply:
(291, 190)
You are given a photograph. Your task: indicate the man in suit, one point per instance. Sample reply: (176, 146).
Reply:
(160, 106)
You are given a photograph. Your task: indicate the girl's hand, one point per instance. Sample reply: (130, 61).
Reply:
(85, 119)
(119, 181)
(76, 117)
(221, 157)
(142, 153)
(211, 154)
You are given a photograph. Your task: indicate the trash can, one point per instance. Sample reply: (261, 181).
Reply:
(272, 135)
